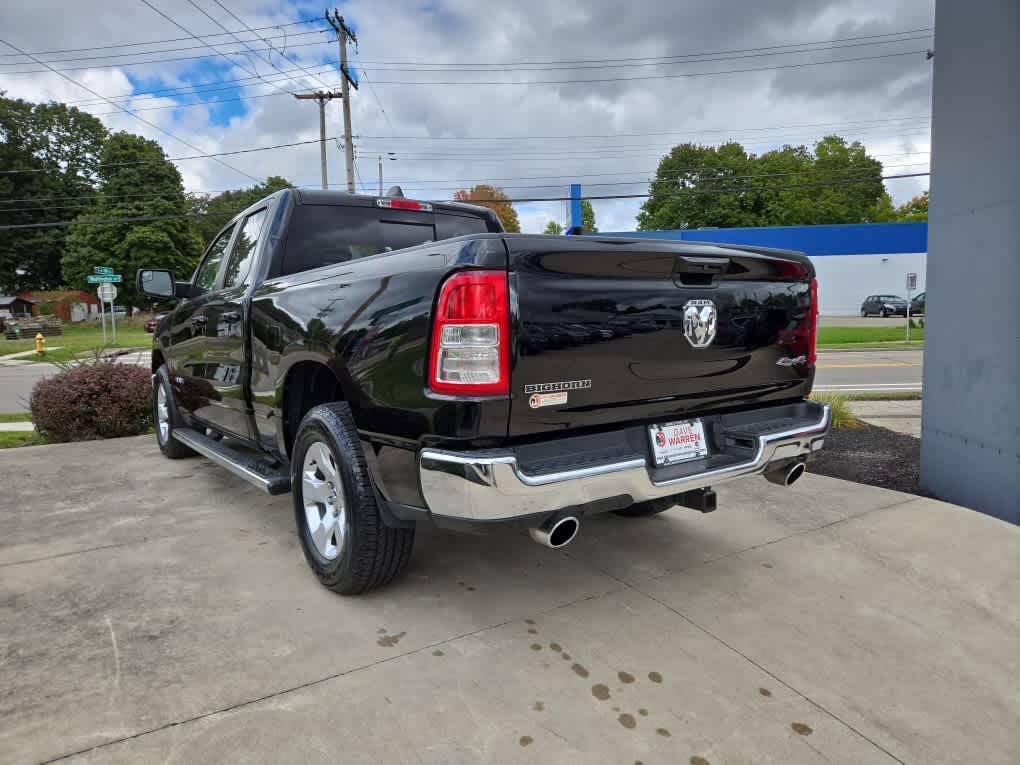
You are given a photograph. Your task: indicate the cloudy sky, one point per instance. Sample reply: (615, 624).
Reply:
(529, 95)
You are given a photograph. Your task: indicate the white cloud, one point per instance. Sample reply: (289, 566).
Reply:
(458, 31)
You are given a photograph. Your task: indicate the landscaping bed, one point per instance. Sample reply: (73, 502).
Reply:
(872, 455)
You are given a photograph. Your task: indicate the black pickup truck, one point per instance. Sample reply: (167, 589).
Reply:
(390, 362)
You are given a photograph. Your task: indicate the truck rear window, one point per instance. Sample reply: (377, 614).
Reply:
(323, 235)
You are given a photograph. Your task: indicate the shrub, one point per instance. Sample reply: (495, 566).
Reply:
(95, 400)
(842, 417)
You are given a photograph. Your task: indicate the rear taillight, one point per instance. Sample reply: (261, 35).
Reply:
(812, 340)
(800, 341)
(471, 336)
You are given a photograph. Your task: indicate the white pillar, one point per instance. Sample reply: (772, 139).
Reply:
(971, 429)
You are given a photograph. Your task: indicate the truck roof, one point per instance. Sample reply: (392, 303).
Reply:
(336, 197)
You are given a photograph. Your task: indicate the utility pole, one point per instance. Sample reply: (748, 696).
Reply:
(343, 34)
(322, 97)
(389, 156)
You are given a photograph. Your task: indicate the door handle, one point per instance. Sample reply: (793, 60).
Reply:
(199, 321)
(231, 317)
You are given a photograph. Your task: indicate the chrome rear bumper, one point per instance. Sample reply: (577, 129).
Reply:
(492, 486)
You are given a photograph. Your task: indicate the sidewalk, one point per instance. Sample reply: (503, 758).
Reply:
(900, 416)
(16, 427)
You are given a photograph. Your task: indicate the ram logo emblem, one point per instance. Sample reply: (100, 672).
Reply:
(699, 322)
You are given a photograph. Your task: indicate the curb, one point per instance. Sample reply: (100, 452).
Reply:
(871, 348)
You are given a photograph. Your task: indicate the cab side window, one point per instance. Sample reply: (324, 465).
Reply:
(239, 264)
(205, 277)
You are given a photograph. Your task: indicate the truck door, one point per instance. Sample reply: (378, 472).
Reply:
(224, 363)
(189, 377)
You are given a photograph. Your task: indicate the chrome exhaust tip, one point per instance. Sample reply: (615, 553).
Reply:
(556, 531)
(786, 475)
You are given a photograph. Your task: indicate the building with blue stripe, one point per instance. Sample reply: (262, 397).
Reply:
(853, 261)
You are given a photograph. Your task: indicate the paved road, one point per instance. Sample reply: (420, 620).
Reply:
(861, 321)
(16, 385)
(16, 381)
(161, 611)
(850, 371)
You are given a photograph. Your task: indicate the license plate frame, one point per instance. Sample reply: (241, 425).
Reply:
(679, 441)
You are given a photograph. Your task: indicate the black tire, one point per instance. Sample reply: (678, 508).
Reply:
(864, 314)
(884, 314)
(371, 553)
(648, 507)
(171, 447)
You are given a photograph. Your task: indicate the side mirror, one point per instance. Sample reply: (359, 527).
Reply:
(157, 283)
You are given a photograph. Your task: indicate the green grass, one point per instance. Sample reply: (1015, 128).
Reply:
(892, 395)
(16, 417)
(842, 417)
(82, 340)
(848, 337)
(12, 439)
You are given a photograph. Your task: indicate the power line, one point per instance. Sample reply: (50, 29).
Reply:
(652, 76)
(438, 67)
(532, 137)
(644, 180)
(160, 42)
(645, 177)
(374, 94)
(502, 65)
(140, 63)
(648, 176)
(270, 62)
(315, 140)
(683, 192)
(648, 58)
(253, 70)
(128, 111)
(230, 83)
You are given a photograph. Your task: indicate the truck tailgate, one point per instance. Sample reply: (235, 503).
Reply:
(600, 330)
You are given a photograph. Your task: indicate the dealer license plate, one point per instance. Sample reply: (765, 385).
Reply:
(676, 442)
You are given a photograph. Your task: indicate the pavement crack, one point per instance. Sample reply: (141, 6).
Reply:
(68, 554)
(770, 542)
(771, 674)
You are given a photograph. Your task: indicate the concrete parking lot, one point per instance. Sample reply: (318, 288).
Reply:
(161, 611)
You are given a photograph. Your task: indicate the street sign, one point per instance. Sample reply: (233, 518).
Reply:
(103, 270)
(101, 278)
(107, 292)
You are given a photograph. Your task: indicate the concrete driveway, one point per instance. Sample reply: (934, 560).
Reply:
(162, 611)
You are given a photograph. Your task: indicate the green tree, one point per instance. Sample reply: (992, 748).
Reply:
(588, 218)
(213, 213)
(725, 186)
(553, 228)
(59, 147)
(915, 209)
(135, 180)
(495, 199)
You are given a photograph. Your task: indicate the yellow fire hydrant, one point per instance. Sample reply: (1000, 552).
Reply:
(40, 343)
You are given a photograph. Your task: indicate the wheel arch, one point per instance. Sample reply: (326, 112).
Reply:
(158, 359)
(306, 384)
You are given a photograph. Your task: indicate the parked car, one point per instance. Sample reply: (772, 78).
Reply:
(917, 304)
(150, 324)
(884, 305)
(368, 355)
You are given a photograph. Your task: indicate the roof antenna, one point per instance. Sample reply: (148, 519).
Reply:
(395, 191)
